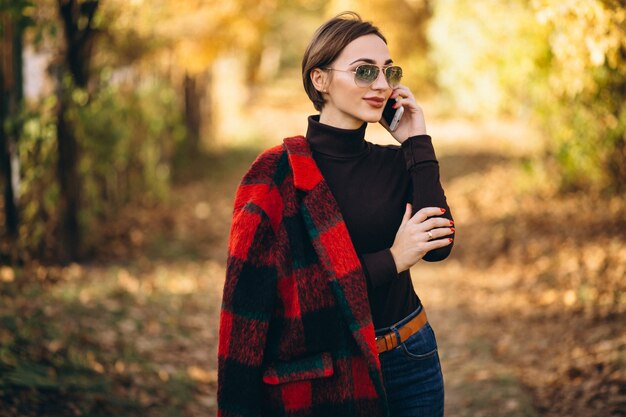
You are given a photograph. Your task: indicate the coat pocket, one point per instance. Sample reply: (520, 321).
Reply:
(310, 367)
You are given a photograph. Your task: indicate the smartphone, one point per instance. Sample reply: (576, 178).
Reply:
(392, 116)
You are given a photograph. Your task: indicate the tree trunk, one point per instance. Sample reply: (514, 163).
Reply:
(69, 183)
(208, 119)
(77, 18)
(7, 152)
(192, 111)
(11, 93)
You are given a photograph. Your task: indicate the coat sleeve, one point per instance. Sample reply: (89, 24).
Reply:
(247, 304)
(423, 167)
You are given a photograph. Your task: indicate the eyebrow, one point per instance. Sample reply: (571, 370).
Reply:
(370, 61)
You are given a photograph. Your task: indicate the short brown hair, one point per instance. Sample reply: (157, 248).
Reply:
(326, 45)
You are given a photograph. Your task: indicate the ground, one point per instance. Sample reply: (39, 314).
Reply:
(528, 309)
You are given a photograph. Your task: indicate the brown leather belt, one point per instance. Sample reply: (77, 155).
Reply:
(390, 340)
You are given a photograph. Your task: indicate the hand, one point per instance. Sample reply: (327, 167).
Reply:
(413, 241)
(412, 122)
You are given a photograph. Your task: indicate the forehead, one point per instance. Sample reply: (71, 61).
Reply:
(368, 47)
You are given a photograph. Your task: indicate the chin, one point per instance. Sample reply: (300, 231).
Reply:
(370, 117)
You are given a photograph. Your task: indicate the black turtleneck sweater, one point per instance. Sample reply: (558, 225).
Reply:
(372, 184)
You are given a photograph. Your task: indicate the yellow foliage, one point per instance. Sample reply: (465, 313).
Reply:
(196, 32)
(486, 56)
(585, 34)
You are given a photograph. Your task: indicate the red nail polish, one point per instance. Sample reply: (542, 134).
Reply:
(452, 229)
(450, 240)
(451, 223)
(443, 210)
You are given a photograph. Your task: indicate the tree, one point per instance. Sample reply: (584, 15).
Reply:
(564, 66)
(77, 18)
(191, 36)
(12, 24)
(588, 67)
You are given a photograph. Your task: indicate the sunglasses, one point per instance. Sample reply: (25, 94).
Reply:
(366, 74)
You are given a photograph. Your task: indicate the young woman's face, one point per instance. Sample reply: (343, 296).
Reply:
(348, 105)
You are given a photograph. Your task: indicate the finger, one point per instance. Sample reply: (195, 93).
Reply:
(426, 212)
(435, 222)
(407, 214)
(402, 94)
(396, 91)
(401, 90)
(408, 102)
(438, 233)
(399, 102)
(436, 244)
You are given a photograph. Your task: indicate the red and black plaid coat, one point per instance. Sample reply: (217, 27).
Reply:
(296, 336)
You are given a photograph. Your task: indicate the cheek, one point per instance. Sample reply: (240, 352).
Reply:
(351, 95)
(347, 96)
(350, 103)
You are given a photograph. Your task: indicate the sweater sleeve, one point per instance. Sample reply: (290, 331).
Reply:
(423, 168)
(247, 305)
(379, 267)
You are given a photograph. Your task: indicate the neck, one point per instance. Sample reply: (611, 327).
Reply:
(340, 122)
(335, 141)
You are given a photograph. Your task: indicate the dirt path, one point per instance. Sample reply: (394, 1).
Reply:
(477, 384)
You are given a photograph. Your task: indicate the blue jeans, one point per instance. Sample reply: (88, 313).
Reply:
(412, 373)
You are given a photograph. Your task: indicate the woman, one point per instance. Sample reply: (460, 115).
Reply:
(319, 315)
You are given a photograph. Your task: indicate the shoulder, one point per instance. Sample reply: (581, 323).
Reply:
(385, 148)
(258, 191)
(388, 159)
(263, 168)
(390, 152)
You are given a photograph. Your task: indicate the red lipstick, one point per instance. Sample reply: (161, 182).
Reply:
(377, 102)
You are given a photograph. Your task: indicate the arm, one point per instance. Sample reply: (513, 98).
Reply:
(423, 167)
(379, 267)
(425, 232)
(421, 163)
(247, 305)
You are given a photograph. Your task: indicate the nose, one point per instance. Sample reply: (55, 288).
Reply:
(380, 83)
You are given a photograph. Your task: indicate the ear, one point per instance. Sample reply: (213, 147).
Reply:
(320, 79)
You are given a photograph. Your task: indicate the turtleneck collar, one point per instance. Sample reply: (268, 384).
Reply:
(334, 141)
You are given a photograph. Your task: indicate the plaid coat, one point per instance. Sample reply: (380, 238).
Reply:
(296, 336)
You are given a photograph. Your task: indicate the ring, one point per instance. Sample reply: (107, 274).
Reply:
(430, 235)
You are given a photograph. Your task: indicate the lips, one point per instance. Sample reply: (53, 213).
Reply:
(375, 101)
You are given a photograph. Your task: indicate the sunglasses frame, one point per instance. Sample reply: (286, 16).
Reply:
(379, 69)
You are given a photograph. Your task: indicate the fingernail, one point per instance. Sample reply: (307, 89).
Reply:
(451, 223)
(452, 229)
(443, 210)
(450, 240)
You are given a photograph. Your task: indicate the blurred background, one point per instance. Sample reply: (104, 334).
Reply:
(126, 125)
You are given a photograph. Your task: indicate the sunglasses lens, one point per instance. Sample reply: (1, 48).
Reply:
(366, 74)
(393, 75)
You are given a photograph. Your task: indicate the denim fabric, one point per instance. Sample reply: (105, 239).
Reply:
(412, 374)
